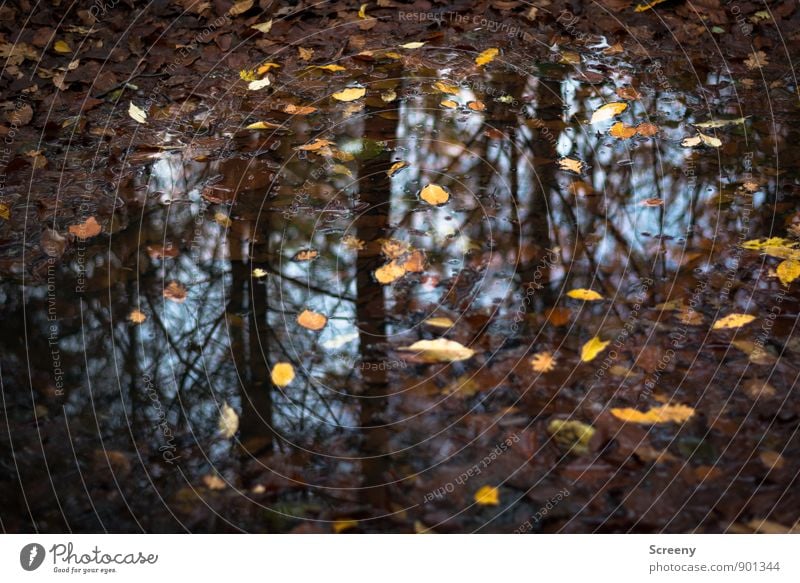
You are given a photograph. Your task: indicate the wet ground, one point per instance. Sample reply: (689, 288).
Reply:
(153, 271)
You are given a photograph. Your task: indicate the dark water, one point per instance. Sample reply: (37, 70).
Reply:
(115, 426)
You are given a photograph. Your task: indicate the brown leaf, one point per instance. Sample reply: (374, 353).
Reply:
(87, 229)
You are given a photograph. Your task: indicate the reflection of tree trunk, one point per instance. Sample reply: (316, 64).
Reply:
(375, 190)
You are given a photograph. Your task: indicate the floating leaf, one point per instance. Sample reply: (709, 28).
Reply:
(88, 228)
(175, 292)
(629, 93)
(413, 45)
(312, 320)
(647, 130)
(332, 68)
(449, 104)
(299, 109)
(788, 270)
(653, 202)
(587, 295)
(720, 123)
(264, 27)
(306, 255)
(396, 167)
(258, 273)
(592, 348)
(647, 5)
(434, 194)
(5, 212)
(656, 415)
(608, 111)
(440, 322)
(263, 125)
(350, 94)
(353, 243)
(228, 422)
(476, 105)
(137, 317)
(571, 434)
(362, 12)
(388, 96)
(446, 87)
(340, 526)
(487, 57)
(317, 144)
(571, 165)
(266, 68)
(543, 362)
(258, 84)
(136, 113)
(390, 272)
(733, 321)
(62, 47)
(621, 131)
(214, 482)
(282, 374)
(439, 350)
(487, 496)
(701, 139)
(223, 220)
(774, 247)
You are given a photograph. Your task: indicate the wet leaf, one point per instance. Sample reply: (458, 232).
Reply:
(266, 68)
(388, 96)
(223, 220)
(299, 109)
(720, 123)
(240, 7)
(621, 131)
(264, 27)
(733, 321)
(137, 317)
(175, 292)
(652, 202)
(788, 270)
(646, 129)
(476, 105)
(543, 362)
(449, 104)
(439, 350)
(258, 84)
(282, 374)
(350, 94)
(701, 139)
(305, 255)
(87, 229)
(394, 248)
(656, 415)
(756, 60)
(608, 111)
(446, 87)
(415, 261)
(339, 526)
(263, 125)
(390, 272)
(62, 47)
(317, 144)
(136, 113)
(413, 45)
(5, 212)
(214, 482)
(571, 434)
(587, 295)
(434, 194)
(440, 322)
(396, 167)
(353, 243)
(647, 5)
(258, 273)
(628, 93)
(571, 165)
(339, 341)
(487, 496)
(228, 423)
(305, 54)
(332, 68)
(312, 320)
(774, 247)
(592, 348)
(487, 57)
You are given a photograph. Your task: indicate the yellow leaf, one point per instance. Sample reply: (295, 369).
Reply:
(390, 272)
(332, 68)
(573, 435)
(487, 496)
(543, 362)
(774, 247)
(362, 12)
(306, 255)
(647, 5)
(266, 67)
(350, 94)
(305, 54)
(476, 105)
(449, 104)
(486, 57)
(137, 113)
(396, 167)
(788, 270)
(258, 273)
(312, 320)
(440, 322)
(592, 348)
(264, 27)
(413, 45)
(61, 47)
(5, 212)
(662, 414)
(299, 109)
(282, 374)
(571, 165)
(701, 139)
(434, 194)
(228, 421)
(263, 125)
(587, 295)
(137, 317)
(340, 526)
(621, 131)
(440, 350)
(733, 321)
(353, 243)
(223, 220)
(446, 87)
(317, 144)
(608, 111)
(388, 96)
(342, 170)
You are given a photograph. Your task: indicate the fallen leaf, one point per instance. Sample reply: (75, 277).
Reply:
(772, 459)
(223, 220)
(396, 167)
(701, 139)
(449, 104)
(136, 317)
(258, 84)
(487, 57)
(264, 27)
(266, 68)
(175, 292)
(282, 374)
(774, 247)
(487, 496)
(62, 47)
(757, 60)
(5, 212)
(628, 93)
(647, 5)
(394, 248)
(340, 526)
(587, 295)
(240, 7)
(653, 202)
(413, 45)
(646, 129)
(317, 144)
(446, 87)
(592, 348)
(88, 228)
(214, 482)
(312, 320)
(733, 321)
(228, 422)
(136, 113)
(476, 105)
(571, 434)
(621, 131)
(388, 96)
(440, 322)
(608, 111)
(305, 54)
(353, 243)
(720, 123)
(350, 94)
(788, 270)
(263, 125)
(543, 362)
(571, 165)
(434, 194)
(656, 415)
(299, 109)
(390, 272)
(439, 350)
(362, 12)
(258, 273)
(305, 255)
(332, 68)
